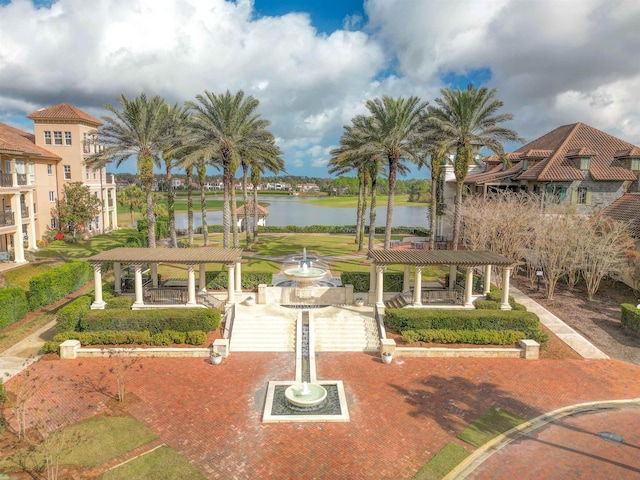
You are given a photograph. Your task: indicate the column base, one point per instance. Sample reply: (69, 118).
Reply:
(505, 306)
(98, 305)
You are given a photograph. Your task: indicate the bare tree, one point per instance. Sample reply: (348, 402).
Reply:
(120, 365)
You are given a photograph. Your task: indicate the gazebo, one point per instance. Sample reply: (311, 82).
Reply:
(136, 257)
(263, 213)
(418, 259)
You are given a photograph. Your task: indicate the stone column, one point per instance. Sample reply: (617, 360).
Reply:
(153, 267)
(32, 222)
(105, 209)
(98, 303)
(406, 279)
(14, 173)
(117, 277)
(372, 278)
(139, 301)
(487, 279)
(380, 283)
(191, 285)
(417, 287)
(468, 288)
(114, 212)
(202, 278)
(238, 278)
(504, 304)
(18, 237)
(231, 282)
(452, 276)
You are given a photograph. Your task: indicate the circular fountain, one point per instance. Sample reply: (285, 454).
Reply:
(305, 275)
(308, 396)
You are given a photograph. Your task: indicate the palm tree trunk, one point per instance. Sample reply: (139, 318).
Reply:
(363, 211)
(171, 206)
(189, 171)
(359, 210)
(202, 177)
(146, 176)
(457, 215)
(131, 213)
(434, 209)
(245, 198)
(234, 215)
(372, 211)
(226, 209)
(393, 169)
(256, 214)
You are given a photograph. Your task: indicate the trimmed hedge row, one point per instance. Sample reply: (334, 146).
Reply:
(496, 296)
(401, 320)
(474, 337)
(249, 281)
(340, 229)
(127, 337)
(393, 282)
(68, 317)
(13, 305)
(51, 286)
(487, 305)
(119, 303)
(630, 317)
(181, 320)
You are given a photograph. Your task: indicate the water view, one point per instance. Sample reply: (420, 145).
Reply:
(285, 211)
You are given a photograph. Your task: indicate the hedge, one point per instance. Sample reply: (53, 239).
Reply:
(68, 317)
(250, 280)
(338, 229)
(119, 303)
(51, 286)
(393, 282)
(630, 317)
(496, 296)
(181, 320)
(13, 305)
(474, 337)
(401, 320)
(127, 337)
(487, 305)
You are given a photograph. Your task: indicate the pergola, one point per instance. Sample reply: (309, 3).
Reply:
(454, 258)
(230, 257)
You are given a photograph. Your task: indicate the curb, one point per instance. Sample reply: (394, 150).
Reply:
(485, 451)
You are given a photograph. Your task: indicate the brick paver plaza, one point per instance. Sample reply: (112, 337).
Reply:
(401, 414)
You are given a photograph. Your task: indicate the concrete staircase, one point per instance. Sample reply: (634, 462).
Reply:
(263, 329)
(400, 300)
(345, 329)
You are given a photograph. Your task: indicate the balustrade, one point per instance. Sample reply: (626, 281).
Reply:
(7, 218)
(6, 180)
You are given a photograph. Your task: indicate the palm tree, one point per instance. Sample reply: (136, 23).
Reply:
(467, 119)
(226, 127)
(391, 131)
(201, 167)
(140, 128)
(189, 171)
(131, 197)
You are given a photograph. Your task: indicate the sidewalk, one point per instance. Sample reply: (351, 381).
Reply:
(25, 352)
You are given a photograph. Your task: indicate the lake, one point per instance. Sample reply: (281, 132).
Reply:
(291, 210)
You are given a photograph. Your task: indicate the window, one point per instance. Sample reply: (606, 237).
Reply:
(49, 169)
(57, 138)
(85, 143)
(52, 197)
(91, 225)
(97, 223)
(53, 223)
(86, 173)
(47, 138)
(67, 138)
(67, 172)
(95, 175)
(556, 193)
(582, 196)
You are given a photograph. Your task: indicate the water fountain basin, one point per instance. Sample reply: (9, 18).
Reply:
(307, 395)
(305, 274)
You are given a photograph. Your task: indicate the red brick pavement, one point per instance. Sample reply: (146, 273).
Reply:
(401, 414)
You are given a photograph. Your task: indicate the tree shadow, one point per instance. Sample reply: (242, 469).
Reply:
(455, 402)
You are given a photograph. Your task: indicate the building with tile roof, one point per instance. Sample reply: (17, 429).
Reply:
(574, 164)
(263, 213)
(34, 169)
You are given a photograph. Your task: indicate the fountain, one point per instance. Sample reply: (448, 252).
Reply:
(304, 274)
(309, 396)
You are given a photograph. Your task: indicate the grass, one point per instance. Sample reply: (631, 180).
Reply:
(86, 248)
(352, 201)
(492, 423)
(9, 337)
(95, 441)
(20, 276)
(160, 463)
(442, 463)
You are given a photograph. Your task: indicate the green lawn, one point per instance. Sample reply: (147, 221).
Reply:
(442, 463)
(492, 423)
(352, 201)
(86, 248)
(161, 463)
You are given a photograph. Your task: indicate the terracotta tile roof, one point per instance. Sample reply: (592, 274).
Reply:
(626, 209)
(494, 174)
(64, 111)
(629, 152)
(535, 153)
(16, 141)
(468, 258)
(581, 152)
(261, 210)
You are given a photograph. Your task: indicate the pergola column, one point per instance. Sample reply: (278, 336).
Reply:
(406, 279)
(238, 278)
(468, 288)
(487, 279)
(231, 283)
(453, 269)
(417, 287)
(191, 285)
(98, 302)
(117, 277)
(504, 304)
(372, 278)
(202, 278)
(380, 283)
(154, 274)
(137, 275)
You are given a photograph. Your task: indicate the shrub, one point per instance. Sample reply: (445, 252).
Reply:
(181, 320)
(126, 337)
(393, 282)
(496, 295)
(51, 286)
(474, 337)
(13, 305)
(630, 317)
(119, 303)
(68, 317)
(487, 305)
(249, 280)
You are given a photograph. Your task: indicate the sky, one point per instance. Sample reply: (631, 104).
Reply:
(312, 64)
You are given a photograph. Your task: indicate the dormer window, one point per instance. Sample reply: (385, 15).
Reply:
(583, 163)
(581, 157)
(525, 164)
(635, 163)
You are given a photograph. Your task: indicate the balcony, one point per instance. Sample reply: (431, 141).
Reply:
(110, 203)
(6, 180)
(22, 178)
(110, 178)
(6, 219)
